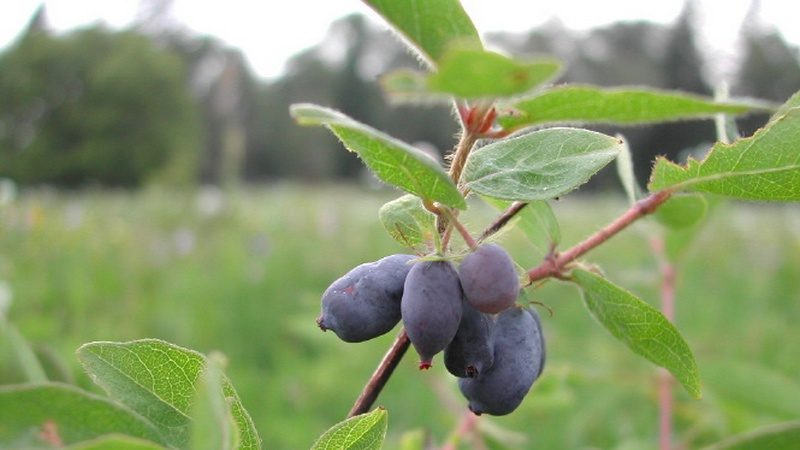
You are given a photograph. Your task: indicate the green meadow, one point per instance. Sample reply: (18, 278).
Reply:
(242, 273)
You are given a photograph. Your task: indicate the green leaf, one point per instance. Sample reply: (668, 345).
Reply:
(408, 222)
(536, 221)
(619, 106)
(760, 389)
(793, 102)
(472, 74)
(213, 426)
(430, 25)
(540, 165)
(639, 326)
(393, 161)
(116, 442)
(783, 436)
(22, 351)
(53, 412)
(682, 211)
(362, 432)
(765, 166)
(157, 379)
(625, 172)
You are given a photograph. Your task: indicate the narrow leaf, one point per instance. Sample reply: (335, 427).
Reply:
(639, 326)
(625, 172)
(116, 442)
(430, 25)
(536, 221)
(784, 436)
(540, 165)
(362, 432)
(213, 427)
(393, 161)
(620, 106)
(471, 74)
(408, 222)
(53, 413)
(682, 211)
(23, 353)
(765, 166)
(157, 379)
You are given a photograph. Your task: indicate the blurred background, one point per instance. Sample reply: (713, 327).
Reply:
(153, 185)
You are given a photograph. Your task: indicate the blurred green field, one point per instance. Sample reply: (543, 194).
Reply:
(242, 273)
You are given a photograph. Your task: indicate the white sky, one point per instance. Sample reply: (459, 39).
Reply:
(268, 34)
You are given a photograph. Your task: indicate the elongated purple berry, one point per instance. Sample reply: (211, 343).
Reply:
(519, 357)
(431, 307)
(472, 349)
(365, 302)
(489, 279)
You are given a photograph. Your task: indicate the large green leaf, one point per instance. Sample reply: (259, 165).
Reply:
(622, 106)
(393, 161)
(362, 432)
(783, 436)
(540, 165)
(765, 166)
(639, 326)
(116, 442)
(536, 221)
(157, 379)
(430, 25)
(32, 415)
(408, 222)
(471, 74)
(213, 426)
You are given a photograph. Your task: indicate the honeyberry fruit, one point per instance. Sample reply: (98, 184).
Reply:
(519, 357)
(431, 307)
(489, 279)
(365, 302)
(472, 349)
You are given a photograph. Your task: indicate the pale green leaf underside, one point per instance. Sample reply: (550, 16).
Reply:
(765, 166)
(621, 106)
(76, 415)
(625, 172)
(392, 161)
(475, 74)
(430, 25)
(157, 379)
(408, 222)
(363, 432)
(116, 442)
(783, 436)
(536, 221)
(639, 326)
(682, 210)
(540, 165)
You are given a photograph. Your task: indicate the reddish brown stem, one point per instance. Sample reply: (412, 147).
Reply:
(665, 381)
(381, 375)
(554, 266)
(468, 423)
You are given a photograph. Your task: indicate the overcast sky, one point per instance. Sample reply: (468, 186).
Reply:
(268, 34)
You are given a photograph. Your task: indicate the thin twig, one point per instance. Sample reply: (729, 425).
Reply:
(665, 380)
(554, 266)
(502, 220)
(381, 375)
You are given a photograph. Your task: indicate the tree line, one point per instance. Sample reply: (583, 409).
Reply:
(125, 108)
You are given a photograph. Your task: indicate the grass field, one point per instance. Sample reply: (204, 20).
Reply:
(243, 274)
